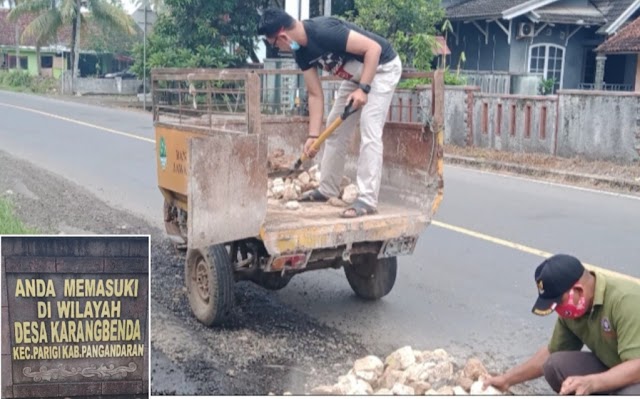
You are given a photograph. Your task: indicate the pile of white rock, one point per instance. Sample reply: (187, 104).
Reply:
(287, 191)
(411, 372)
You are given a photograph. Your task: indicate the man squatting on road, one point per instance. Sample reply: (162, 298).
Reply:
(369, 65)
(601, 312)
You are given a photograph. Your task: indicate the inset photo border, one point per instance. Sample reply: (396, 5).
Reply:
(75, 316)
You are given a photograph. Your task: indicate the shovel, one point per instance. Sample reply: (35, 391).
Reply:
(316, 145)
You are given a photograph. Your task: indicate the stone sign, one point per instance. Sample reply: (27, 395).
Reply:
(75, 316)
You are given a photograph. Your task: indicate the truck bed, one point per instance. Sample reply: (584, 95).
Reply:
(319, 225)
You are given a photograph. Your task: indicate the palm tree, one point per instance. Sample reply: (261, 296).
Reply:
(12, 5)
(43, 27)
(54, 14)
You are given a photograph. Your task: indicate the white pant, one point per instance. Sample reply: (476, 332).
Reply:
(372, 119)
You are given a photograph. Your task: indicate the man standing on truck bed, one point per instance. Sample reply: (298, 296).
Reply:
(371, 70)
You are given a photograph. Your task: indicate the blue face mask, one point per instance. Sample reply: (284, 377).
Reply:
(294, 45)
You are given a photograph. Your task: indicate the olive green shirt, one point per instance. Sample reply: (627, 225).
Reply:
(611, 330)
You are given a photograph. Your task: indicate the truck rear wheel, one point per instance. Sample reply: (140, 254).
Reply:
(370, 277)
(209, 280)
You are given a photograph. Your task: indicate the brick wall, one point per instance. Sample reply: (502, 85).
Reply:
(59, 258)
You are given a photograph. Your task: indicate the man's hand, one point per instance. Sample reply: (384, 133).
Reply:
(358, 97)
(499, 382)
(579, 385)
(308, 151)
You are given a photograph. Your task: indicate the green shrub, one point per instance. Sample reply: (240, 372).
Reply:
(9, 222)
(22, 81)
(16, 79)
(450, 79)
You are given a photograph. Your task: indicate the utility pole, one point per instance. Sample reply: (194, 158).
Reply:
(144, 58)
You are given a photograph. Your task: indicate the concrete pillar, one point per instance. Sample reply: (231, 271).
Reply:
(637, 88)
(600, 61)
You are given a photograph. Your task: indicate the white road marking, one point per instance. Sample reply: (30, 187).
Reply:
(527, 179)
(77, 122)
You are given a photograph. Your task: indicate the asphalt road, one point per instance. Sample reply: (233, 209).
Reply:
(463, 291)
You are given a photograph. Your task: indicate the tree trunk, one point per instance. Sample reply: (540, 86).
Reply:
(72, 46)
(76, 47)
(38, 59)
(18, 66)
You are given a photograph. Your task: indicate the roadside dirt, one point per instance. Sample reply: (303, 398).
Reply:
(615, 176)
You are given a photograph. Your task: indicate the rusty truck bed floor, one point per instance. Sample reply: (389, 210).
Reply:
(319, 214)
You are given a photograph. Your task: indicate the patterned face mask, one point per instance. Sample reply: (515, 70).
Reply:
(570, 311)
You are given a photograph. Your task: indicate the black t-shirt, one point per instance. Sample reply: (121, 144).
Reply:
(327, 48)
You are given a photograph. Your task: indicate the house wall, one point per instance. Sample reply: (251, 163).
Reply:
(557, 35)
(32, 67)
(480, 56)
(499, 55)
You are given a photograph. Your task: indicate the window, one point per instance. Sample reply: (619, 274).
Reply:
(46, 61)
(24, 63)
(547, 60)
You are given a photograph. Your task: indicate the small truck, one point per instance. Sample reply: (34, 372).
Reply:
(214, 131)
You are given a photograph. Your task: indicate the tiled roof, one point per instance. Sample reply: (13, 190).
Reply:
(476, 9)
(602, 13)
(627, 40)
(611, 9)
(586, 14)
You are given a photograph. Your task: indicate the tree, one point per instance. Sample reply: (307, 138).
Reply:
(410, 25)
(202, 33)
(52, 15)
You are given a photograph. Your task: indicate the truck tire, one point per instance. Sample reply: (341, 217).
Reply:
(371, 278)
(209, 280)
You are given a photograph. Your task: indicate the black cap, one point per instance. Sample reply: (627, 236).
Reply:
(555, 276)
(273, 20)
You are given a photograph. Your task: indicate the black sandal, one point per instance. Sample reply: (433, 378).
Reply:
(358, 209)
(313, 196)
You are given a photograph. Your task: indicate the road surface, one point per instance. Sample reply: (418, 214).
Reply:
(467, 288)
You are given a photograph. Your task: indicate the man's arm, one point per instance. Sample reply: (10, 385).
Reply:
(526, 371)
(625, 374)
(316, 101)
(361, 45)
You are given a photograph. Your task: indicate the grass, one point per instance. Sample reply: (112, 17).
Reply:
(9, 223)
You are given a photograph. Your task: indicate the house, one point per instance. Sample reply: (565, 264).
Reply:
(551, 39)
(101, 49)
(626, 41)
